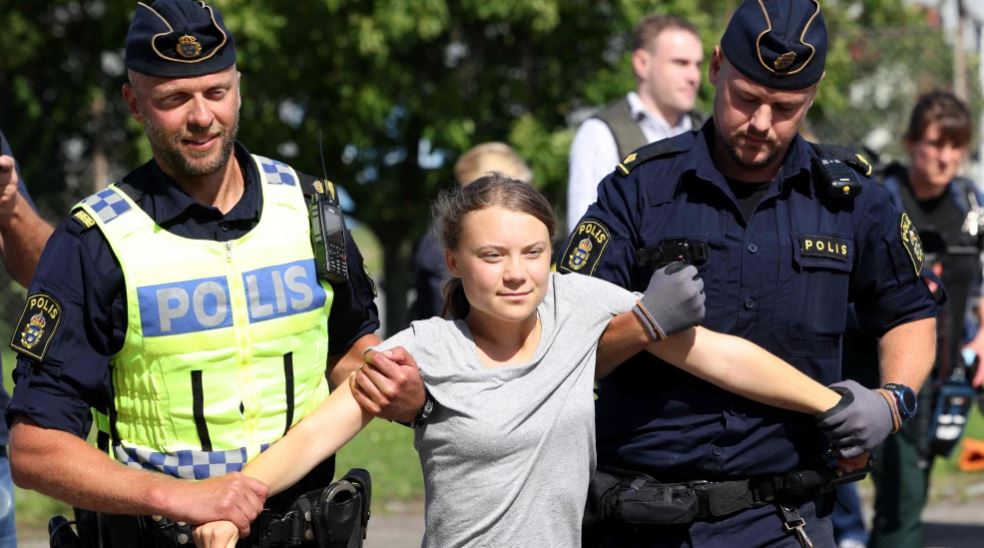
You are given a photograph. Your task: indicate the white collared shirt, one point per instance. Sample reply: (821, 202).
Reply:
(594, 154)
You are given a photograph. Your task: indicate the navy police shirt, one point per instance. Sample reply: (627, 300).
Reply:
(80, 271)
(783, 279)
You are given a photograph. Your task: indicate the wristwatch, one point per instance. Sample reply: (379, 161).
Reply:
(905, 400)
(424, 412)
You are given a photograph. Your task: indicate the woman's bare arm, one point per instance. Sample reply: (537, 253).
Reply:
(743, 367)
(729, 362)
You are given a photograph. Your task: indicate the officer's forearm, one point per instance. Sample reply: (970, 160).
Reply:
(907, 351)
(65, 467)
(623, 338)
(340, 367)
(24, 234)
(744, 368)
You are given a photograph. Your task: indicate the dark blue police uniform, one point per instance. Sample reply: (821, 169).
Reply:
(80, 271)
(782, 278)
(780, 275)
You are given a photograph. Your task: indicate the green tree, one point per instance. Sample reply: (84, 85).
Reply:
(398, 90)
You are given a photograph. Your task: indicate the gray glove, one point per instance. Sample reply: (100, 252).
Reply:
(674, 301)
(860, 421)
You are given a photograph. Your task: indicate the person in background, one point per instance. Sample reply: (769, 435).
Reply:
(666, 59)
(22, 236)
(429, 271)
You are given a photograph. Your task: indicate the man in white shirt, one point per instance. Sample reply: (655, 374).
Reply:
(666, 58)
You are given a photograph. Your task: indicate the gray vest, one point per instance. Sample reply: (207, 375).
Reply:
(628, 135)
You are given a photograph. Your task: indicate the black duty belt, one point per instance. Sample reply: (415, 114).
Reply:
(639, 499)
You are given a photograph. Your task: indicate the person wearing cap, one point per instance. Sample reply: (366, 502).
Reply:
(785, 234)
(182, 305)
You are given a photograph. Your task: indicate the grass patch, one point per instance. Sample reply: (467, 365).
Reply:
(386, 450)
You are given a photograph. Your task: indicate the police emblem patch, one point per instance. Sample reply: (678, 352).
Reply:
(189, 47)
(587, 244)
(37, 324)
(912, 243)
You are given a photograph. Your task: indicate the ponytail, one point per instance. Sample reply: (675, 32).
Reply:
(456, 304)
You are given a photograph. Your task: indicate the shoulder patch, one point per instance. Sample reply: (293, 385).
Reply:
(587, 245)
(642, 155)
(83, 219)
(37, 325)
(912, 243)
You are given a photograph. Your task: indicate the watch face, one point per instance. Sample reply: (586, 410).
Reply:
(908, 398)
(905, 397)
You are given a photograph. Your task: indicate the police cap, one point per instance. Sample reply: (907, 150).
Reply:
(178, 39)
(780, 44)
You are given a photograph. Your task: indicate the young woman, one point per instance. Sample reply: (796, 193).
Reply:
(509, 450)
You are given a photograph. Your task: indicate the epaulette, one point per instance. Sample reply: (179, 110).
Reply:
(847, 155)
(312, 186)
(659, 149)
(83, 218)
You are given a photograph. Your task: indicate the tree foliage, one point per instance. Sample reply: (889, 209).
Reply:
(397, 90)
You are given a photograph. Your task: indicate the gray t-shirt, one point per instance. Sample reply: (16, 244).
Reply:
(508, 452)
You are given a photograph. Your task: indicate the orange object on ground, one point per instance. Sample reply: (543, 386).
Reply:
(972, 456)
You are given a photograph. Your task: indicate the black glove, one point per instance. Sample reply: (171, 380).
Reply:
(674, 301)
(860, 421)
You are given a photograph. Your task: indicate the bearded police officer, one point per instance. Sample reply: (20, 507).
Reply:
(182, 305)
(785, 234)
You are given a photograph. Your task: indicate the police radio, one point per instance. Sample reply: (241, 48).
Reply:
(841, 179)
(328, 234)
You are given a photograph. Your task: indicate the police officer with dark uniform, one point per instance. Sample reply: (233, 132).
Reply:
(785, 234)
(183, 305)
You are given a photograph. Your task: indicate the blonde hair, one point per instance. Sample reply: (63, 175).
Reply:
(493, 157)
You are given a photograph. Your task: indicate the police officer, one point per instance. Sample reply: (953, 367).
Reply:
(182, 304)
(783, 241)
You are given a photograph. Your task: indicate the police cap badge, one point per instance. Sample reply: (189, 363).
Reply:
(178, 39)
(781, 44)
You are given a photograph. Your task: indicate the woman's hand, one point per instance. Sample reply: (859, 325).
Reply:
(216, 534)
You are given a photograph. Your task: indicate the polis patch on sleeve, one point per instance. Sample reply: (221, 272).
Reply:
(912, 243)
(37, 325)
(825, 246)
(588, 243)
